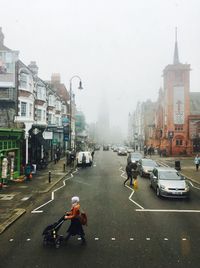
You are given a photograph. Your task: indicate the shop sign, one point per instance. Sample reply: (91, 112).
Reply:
(48, 135)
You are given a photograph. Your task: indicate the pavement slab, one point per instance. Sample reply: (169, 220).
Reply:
(16, 197)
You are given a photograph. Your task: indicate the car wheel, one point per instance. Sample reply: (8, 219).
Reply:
(158, 191)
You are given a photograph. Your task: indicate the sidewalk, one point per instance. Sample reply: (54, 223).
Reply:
(16, 198)
(188, 168)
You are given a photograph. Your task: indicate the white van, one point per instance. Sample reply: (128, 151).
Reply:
(88, 158)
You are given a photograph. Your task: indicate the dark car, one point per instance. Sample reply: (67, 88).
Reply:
(146, 166)
(168, 182)
(97, 147)
(106, 148)
(122, 151)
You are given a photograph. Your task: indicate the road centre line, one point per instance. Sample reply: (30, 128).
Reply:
(130, 197)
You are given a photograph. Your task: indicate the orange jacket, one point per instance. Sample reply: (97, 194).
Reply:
(75, 212)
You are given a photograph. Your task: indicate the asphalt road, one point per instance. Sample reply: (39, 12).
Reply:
(125, 228)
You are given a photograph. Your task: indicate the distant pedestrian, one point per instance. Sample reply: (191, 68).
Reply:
(132, 173)
(129, 158)
(128, 173)
(83, 161)
(75, 227)
(55, 158)
(197, 162)
(28, 171)
(92, 154)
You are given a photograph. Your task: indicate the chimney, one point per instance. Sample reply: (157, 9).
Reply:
(55, 78)
(1, 36)
(33, 67)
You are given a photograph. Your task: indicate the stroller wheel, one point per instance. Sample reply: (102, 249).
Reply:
(57, 244)
(45, 241)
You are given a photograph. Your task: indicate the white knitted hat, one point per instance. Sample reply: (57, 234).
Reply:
(75, 199)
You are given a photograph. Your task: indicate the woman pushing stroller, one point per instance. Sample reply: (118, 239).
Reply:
(75, 227)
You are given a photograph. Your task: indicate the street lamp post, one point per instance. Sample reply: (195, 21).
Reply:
(70, 108)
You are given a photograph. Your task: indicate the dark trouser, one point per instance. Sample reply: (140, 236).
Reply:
(131, 180)
(197, 167)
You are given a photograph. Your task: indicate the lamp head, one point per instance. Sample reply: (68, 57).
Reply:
(80, 85)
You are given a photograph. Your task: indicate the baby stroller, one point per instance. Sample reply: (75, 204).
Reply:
(50, 234)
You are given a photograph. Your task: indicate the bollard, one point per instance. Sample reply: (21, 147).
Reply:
(63, 167)
(49, 176)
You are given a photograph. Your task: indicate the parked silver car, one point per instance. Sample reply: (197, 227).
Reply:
(168, 182)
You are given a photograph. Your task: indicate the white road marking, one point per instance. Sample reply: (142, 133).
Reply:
(148, 238)
(113, 239)
(194, 186)
(6, 197)
(134, 201)
(75, 171)
(184, 239)
(130, 197)
(169, 210)
(96, 238)
(131, 238)
(36, 210)
(28, 239)
(11, 240)
(79, 238)
(166, 239)
(25, 198)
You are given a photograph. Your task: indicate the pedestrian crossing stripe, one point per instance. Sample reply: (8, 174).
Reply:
(114, 239)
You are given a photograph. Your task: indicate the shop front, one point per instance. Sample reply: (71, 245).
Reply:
(10, 153)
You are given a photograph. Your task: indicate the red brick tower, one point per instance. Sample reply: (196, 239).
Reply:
(176, 106)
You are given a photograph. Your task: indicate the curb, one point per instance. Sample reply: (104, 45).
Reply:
(18, 212)
(52, 185)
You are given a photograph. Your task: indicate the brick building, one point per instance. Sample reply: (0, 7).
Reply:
(176, 121)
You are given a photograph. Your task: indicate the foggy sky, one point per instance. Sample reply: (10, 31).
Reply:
(119, 48)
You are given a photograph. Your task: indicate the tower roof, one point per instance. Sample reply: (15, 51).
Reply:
(176, 57)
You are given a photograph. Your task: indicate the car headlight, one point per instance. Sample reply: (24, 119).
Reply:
(187, 188)
(162, 187)
(146, 171)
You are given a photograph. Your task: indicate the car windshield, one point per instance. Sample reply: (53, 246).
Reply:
(147, 162)
(169, 175)
(136, 156)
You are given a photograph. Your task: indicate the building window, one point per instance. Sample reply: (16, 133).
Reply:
(39, 114)
(23, 108)
(178, 127)
(23, 83)
(179, 142)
